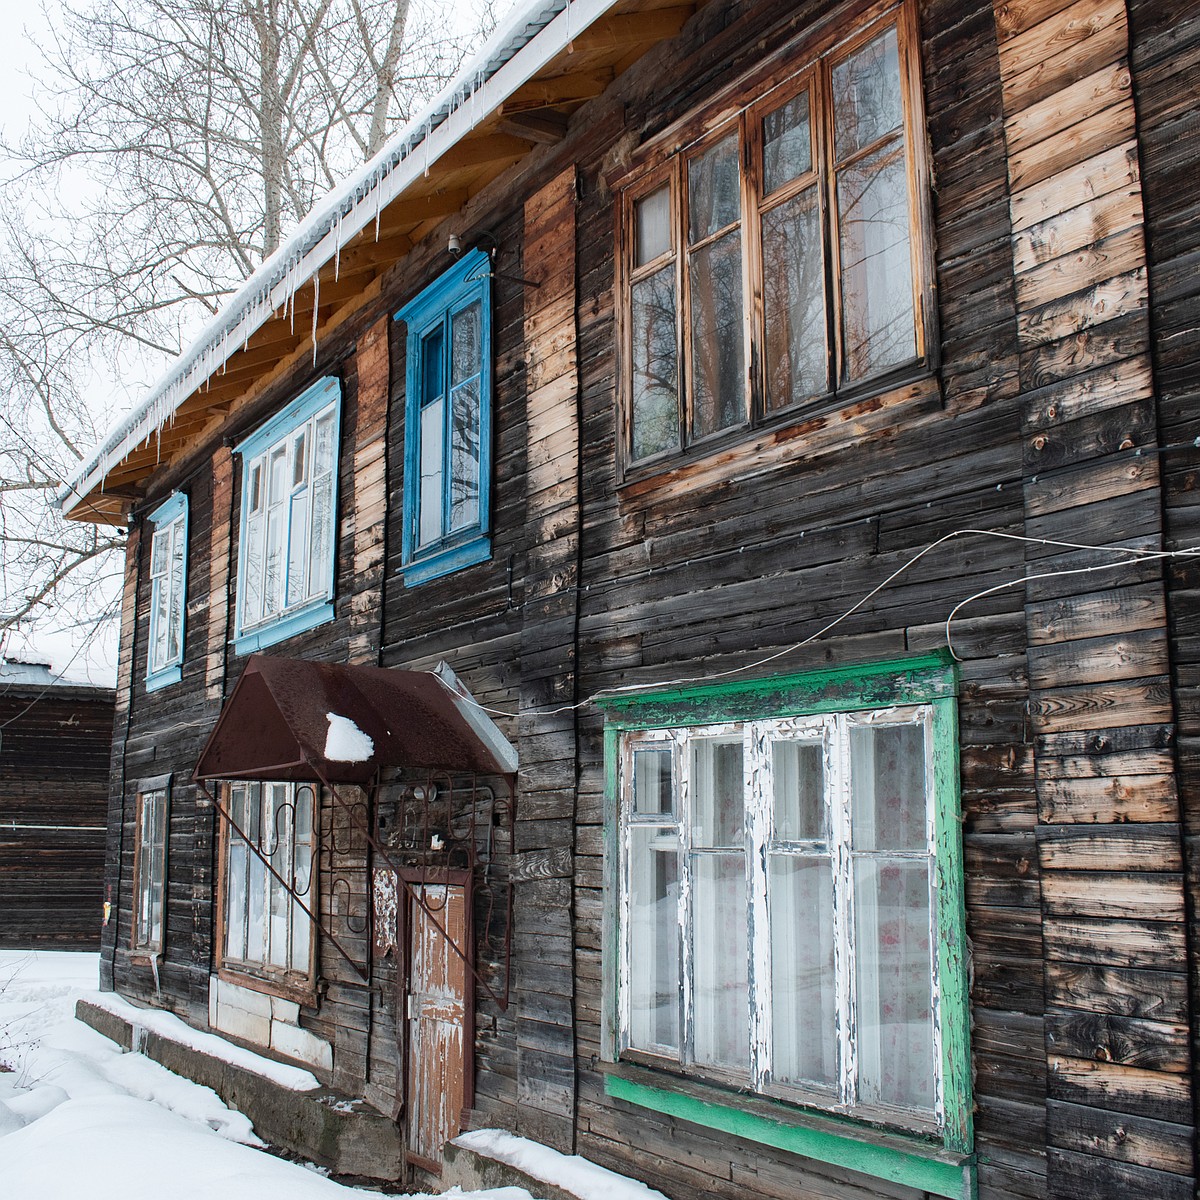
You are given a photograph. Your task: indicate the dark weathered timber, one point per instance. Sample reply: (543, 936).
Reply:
(1061, 404)
(54, 748)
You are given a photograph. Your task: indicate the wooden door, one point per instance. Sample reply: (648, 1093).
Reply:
(439, 1020)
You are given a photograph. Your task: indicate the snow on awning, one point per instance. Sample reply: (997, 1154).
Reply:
(290, 719)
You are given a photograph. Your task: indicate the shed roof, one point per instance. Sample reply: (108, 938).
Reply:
(276, 724)
(544, 61)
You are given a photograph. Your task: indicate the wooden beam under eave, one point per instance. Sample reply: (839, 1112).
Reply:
(557, 89)
(483, 150)
(631, 29)
(412, 210)
(546, 126)
(374, 255)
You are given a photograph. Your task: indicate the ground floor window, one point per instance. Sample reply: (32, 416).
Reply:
(150, 867)
(789, 893)
(265, 929)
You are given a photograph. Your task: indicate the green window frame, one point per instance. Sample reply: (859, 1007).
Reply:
(664, 750)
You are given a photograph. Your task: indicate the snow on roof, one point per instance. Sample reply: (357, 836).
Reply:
(492, 74)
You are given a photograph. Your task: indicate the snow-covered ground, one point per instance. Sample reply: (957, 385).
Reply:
(79, 1118)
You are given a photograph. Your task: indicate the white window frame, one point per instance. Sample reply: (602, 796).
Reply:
(266, 812)
(756, 737)
(168, 592)
(303, 595)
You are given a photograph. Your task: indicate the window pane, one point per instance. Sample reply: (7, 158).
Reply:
(159, 551)
(276, 558)
(280, 843)
(429, 520)
(719, 967)
(866, 95)
(652, 226)
(300, 459)
(887, 774)
(798, 769)
(235, 898)
(803, 991)
(794, 298)
(654, 938)
(466, 344)
(254, 488)
(717, 792)
(158, 624)
(256, 874)
(787, 143)
(653, 787)
(895, 1003)
(431, 367)
(253, 571)
(323, 461)
(464, 455)
(298, 549)
(175, 616)
(878, 317)
(321, 535)
(714, 199)
(278, 469)
(655, 416)
(717, 354)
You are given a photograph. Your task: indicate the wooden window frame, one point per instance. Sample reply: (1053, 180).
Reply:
(258, 975)
(741, 109)
(141, 943)
(466, 283)
(303, 414)
(928, 685)
(170, 521)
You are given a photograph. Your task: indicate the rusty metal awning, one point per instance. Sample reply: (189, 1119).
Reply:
(277, 724)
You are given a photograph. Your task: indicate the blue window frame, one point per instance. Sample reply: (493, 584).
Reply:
(286, 550)
(168, 592)
(448, 418)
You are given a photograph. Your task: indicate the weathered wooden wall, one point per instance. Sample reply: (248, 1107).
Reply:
(54, 747)
(1108, 831)
(1063, 140)
(1164, 56)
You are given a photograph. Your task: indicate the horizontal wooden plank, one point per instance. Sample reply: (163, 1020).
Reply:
(1143, 896)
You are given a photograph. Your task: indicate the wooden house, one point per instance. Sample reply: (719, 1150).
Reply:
(713, 504)
(55, 741)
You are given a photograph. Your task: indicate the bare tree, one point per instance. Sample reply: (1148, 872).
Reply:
(179, 141)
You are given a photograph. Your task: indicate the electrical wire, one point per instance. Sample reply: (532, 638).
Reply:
(1131, 554)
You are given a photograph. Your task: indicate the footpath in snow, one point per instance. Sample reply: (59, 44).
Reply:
(80, 1118)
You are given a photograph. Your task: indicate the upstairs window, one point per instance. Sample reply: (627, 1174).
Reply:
(447, 422)
(777, 260)
(289, 520)
(168, 589)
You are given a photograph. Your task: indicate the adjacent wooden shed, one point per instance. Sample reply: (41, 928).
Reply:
(55, 742)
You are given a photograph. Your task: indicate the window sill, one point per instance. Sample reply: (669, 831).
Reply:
(299, 991)
(824, 424)
(437, 563)
(164, 678)
(905, 1160)
(299, 621)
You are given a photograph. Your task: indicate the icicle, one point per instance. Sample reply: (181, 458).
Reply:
(570, 39)
(428, 135)
(316, 310)
(337, 251)
(378, 206)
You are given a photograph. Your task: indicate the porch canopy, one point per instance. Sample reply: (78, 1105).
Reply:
(294, 720)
